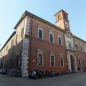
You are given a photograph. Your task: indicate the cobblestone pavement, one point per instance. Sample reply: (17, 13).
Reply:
(77, 79)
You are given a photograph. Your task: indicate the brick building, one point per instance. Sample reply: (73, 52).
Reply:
(37, 44)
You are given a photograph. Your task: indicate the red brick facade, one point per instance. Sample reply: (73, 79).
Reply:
(66, 52)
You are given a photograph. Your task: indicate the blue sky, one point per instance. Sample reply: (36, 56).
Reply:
(11, 11)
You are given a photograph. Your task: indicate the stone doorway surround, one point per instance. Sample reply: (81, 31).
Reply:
(72, 65)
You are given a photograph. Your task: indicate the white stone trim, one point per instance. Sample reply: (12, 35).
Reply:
(39, 51)
(60, 36)
(69, 63)
(25, 49)
(75, 65)
(39, 28)
(51, 32)
(24, 58)
(27, 26)
(51, 54)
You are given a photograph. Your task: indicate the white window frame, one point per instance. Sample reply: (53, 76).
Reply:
(50, 32)
(39, 28)
(39, 51)
(50, 60)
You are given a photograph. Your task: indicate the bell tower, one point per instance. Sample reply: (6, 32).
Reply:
(62, 20)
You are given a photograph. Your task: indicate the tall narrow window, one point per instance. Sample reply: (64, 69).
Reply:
(40, 33)
(39, 58)
(60, 40)
(51, 37)
(76, 47)
(62, 61)
(83, 62)
(22, 32)
(52, 60)
(16, 38)
(58, 17)
(79, 62)
(12, 43)
(6, 48)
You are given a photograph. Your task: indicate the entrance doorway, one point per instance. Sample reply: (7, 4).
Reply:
(72, 63)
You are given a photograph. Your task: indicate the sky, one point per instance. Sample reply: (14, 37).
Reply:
(11, 11)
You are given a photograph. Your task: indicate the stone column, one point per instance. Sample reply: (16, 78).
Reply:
(75, 64)
(69, 62)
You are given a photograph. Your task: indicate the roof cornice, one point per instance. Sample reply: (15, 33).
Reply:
(8, 40)
(26, 13)
(79, 38)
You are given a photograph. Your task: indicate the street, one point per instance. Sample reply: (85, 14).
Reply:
(77, 79)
